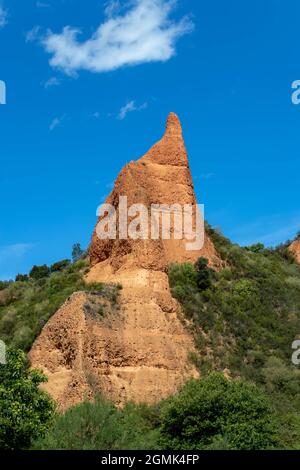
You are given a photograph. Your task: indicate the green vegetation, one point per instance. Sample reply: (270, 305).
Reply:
(27, 304)
(101, 426)
(246, 320)
(210, 413)
(25, 411)
(215, 413)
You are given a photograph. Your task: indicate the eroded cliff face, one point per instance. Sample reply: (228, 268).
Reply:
(139, 352)
(295, 249)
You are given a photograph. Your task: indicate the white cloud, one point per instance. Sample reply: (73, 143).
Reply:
(56, 122)
(143, 33)
(129, 108)
(33, 34)
(3, 17)
(52, 81)
(112, 8)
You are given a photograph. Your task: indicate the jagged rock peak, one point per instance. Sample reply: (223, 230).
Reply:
(173, 126)
(170, 150)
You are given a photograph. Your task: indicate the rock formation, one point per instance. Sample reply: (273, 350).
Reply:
(162, 176)
(139, 352)
(295, 249)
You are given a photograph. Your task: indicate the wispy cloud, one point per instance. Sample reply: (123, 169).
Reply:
(16, 250)
(3, 16)
(143, 33)
(56, 122)
(270, 230)
(112, 8)
(129, 108)
(33, 34)
(43, 5)
(52, 81)
(207, 176)
(11, 255)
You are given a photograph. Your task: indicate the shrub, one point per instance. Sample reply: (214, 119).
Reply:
(101, 426)
(39, 272)
(214, 412)
(204, 276)
(25, 410)
(22, 277)
(60, 265)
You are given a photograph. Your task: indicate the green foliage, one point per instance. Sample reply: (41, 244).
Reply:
(77, 252)
(39, 272)
(247, 320)
(102, 426)
(25, 307)
(214, 412)
(204, 274)
(60, 265)
(25, 411)
(22, 277)
(257, 248)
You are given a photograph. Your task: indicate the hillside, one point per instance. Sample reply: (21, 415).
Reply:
(141, 354)
(145, 343)
(243, 318)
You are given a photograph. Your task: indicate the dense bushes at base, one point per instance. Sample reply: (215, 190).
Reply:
(246, 320)
(101, 426)
(209, 413)
(216, 413)
(25, 411)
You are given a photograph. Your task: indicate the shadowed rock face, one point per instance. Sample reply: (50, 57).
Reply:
(140, 352)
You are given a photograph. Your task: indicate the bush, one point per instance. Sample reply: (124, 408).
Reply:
(39, 272)
(25, 411)
(22, 277)
(204, 276)
(101, 426)
(60, 265)
(217, 413)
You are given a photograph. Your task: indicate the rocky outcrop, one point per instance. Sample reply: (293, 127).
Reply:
(138, 352)
(141, 351)
(295, 249)
(162, 176)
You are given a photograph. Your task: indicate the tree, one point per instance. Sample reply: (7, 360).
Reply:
(39, 272)
(257, 248)
(204, 274)
(22, 277)
(60, 265)
(77, 252)
(25, 410)
(214, 412)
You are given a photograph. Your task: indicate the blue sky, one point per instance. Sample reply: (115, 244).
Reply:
(82, 104)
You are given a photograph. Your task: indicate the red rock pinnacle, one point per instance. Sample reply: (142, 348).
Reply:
(162, 176)
(170, 150)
